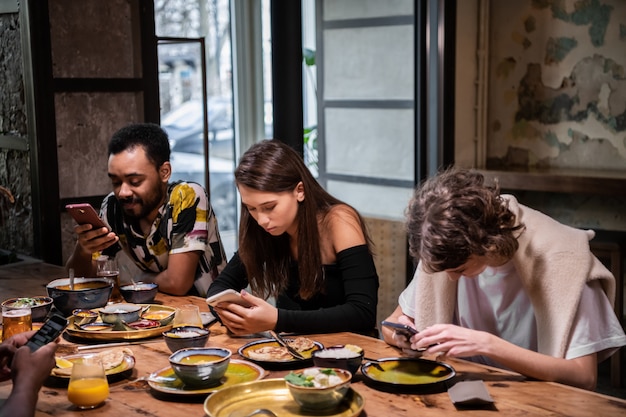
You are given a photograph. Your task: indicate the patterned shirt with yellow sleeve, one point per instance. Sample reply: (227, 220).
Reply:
(186, 222)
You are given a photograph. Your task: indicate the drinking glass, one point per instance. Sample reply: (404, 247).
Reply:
(88, 387)
(107, 268)
(15, 320)
(187, 315)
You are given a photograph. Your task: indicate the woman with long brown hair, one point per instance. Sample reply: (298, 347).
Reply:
(300, 245)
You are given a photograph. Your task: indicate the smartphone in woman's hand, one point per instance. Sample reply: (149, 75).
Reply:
(230, 296)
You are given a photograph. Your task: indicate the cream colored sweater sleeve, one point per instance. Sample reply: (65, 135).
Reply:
(553, 261)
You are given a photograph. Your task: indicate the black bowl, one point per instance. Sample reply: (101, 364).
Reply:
(186, 337)
(408, 375)
(140, 292)
(339, 356)
(88, 293)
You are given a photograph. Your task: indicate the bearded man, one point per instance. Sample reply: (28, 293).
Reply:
(168, 229)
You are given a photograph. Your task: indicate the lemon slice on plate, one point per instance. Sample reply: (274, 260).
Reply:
(63, 363)
(354, 348)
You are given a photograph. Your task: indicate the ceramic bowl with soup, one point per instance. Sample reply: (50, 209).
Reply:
(88, 293)
(201, 366)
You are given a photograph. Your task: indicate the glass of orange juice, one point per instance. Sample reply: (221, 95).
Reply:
(88, 387)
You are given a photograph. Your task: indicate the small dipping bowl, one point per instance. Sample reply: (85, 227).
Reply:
(348, 357)
(84, 316)
(39, 306)
(185, 337)
(114, 313)
(200, 366)
(164, 317)
(140, 292)
(324, 397)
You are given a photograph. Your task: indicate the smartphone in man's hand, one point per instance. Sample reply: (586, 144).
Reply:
(84, 213)
(403, 329)
(51, 329)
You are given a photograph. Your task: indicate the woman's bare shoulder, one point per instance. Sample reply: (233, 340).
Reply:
(343, 224)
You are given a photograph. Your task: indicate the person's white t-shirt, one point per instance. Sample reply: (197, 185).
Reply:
(496, 302)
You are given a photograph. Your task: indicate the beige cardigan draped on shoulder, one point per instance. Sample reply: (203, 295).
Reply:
(553, 261)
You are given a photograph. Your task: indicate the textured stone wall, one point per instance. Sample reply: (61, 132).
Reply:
(16, 223)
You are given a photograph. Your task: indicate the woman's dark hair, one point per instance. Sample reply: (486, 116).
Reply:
(273, 166)
(454, 215)
(150, 136)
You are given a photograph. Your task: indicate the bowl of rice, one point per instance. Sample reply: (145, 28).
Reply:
(185, 337)
(348, 357)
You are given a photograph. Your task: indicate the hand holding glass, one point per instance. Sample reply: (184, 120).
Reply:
(88, 387)
(15, 320)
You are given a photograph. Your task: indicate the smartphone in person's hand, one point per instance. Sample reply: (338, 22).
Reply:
(51, 329)
(403, 329)
(230, 296)
(84, 213)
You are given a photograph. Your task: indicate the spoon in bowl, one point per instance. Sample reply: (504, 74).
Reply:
(71, 276)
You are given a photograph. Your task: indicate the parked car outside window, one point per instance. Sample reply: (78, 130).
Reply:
(184, 126)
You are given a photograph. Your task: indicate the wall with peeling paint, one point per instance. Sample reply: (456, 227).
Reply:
(557, 85)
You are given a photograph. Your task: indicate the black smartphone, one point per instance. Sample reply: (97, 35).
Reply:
(51, 329)
(407, 331)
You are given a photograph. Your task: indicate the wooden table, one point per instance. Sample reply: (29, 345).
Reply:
(513, 394)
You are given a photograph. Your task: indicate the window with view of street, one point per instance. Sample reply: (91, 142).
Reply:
(192, 84)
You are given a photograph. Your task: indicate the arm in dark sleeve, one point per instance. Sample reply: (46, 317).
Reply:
(233, 276)
(358, 311)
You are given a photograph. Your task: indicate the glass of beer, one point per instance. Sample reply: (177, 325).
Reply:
(187, 315)
(88, 387)
(107, 268)
(15, 320)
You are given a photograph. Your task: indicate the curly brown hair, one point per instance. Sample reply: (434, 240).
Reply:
(454, 215)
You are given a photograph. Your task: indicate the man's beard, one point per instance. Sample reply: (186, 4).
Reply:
(146, 207)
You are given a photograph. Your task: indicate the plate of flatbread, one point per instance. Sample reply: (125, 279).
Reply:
(116, 362)
(269, 354)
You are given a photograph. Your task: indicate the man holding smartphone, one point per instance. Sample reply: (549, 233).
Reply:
(168, 229)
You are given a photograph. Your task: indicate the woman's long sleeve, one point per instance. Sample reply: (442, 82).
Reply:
(355, 313)
(232, 277)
